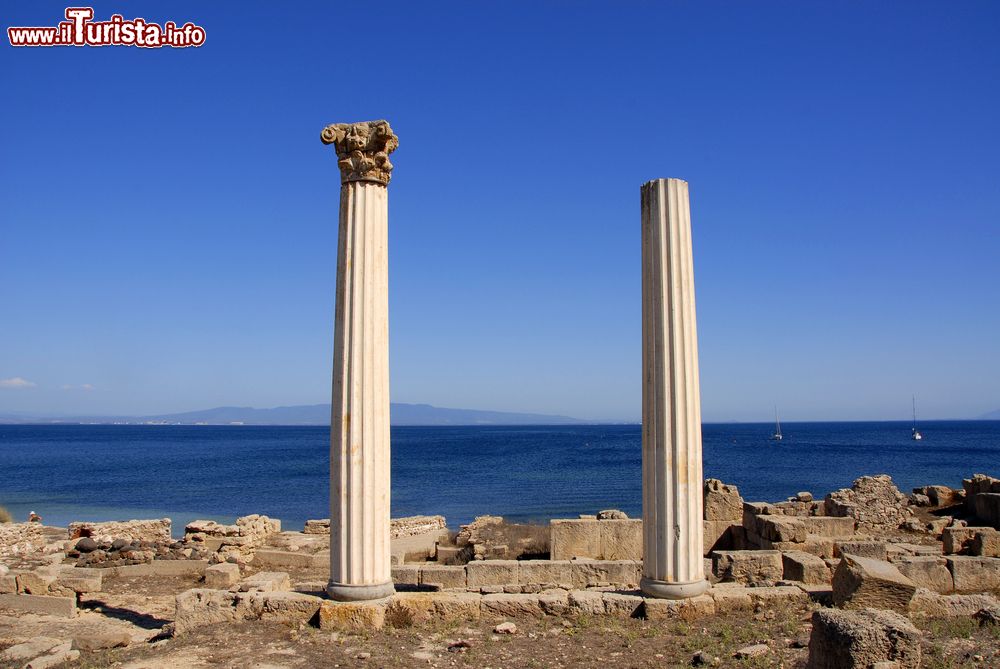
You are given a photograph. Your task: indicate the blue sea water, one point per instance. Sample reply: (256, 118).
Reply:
(107, 472)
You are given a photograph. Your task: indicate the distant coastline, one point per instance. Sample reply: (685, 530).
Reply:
(309, 414)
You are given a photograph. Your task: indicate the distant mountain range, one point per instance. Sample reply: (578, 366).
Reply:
(993, 415)
(311, 414)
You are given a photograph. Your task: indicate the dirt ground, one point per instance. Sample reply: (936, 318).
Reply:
(144, 605)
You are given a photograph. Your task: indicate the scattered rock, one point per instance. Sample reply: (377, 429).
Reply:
(86, 545)
(756, 650)
(505, 628)
(702, 659)
(459, 646)
(990, 616)
(612, 514)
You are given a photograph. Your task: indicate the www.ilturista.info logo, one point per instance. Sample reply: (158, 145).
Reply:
(81, 30)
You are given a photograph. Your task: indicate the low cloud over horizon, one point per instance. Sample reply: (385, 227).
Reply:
(16, 382)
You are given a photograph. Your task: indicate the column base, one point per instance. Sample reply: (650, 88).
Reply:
(665, 590)
(347, 592)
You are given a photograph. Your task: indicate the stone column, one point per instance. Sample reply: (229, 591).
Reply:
(359, 424)
(671, 406)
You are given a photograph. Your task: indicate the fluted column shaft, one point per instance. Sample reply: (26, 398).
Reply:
(671, 405)
(360, 565)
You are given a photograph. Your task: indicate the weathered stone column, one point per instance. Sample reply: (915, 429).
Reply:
(359, 424)
(671, 406)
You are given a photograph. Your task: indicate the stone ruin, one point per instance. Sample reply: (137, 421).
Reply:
(873, 502)
(757, 555)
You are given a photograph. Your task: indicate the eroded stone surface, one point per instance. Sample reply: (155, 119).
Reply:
(860, 583)
(861, 639)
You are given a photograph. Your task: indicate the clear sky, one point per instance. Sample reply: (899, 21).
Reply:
(168, 217)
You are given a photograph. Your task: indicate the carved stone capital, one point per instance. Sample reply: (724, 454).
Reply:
(362, 150)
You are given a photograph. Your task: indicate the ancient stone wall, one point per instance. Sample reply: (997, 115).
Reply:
(873, 501)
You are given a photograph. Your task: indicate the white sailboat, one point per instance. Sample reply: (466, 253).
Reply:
(777, 427)
(916, 433)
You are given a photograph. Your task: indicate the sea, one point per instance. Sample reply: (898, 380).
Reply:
(524, 473)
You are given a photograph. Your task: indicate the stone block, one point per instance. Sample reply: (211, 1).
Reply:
(554, 602)
(830, 527)
(278, 559)
(927, 571)
(916, 549)
(729, 599)
(988, 508)
(804, 567)
(266, 581)
(62, 607)
(718, 536)
(621, 539)
(759, 567)
(444, 577)
(491, 572)
(873, 550)
(200, 607)
(936, 605)
(575, 538)
(862, 639)
(974, 574)
(957, 539)
(95, 641)
(74, 581)
(690, 609)
(722, 502)
(352, 616)
(623, 605)
(777, 593)
(985, 543)
(60, 656)
(36, 581)
(321, 526)
(511, 606)
(406, 575)
(546, 573)
(286, 607)
(941, 495)
(818, 546)
(161, 568)
(586, 602)
(222, 576)
(598, 573)
(860, 582)
(29, 649)
(8, 584)
(779, 528)
(975, 486)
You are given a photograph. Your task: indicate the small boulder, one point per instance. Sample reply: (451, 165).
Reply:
(86, 545)
(756, 650)
(505, 628)
(612, 514)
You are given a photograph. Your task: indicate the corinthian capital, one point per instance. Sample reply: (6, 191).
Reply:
(362, 150)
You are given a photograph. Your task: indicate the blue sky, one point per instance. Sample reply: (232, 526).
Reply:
(169, 217)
